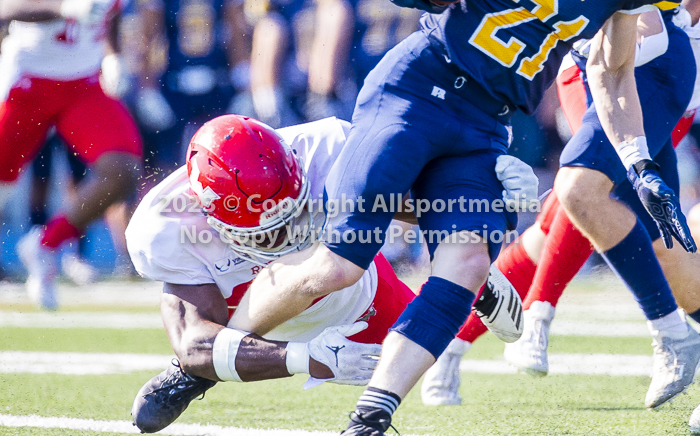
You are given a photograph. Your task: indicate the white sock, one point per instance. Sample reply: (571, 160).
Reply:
(671, 326)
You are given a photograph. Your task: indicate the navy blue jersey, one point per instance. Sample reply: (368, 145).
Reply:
(287, 8)
(514, 48)
(195, 31)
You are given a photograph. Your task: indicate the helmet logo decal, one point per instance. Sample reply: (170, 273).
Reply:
(205, 196)
(284, 206)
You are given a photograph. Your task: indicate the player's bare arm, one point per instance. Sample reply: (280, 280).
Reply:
(613, 87)
(195, 314)
(329, 51)
(611, 78)
(289, 285)
(30, 11)
(150, 33)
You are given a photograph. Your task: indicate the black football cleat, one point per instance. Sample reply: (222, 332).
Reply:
(370, 423)
(164, 397)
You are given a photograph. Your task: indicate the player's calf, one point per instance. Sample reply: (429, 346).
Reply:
(500, 310)
(585, 195)
(115, 178)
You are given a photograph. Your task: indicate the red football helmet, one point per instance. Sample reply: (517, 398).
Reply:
(251, 185)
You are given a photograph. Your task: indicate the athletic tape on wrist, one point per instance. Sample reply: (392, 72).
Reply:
(224, 353)
(631, 152)
(297, 358)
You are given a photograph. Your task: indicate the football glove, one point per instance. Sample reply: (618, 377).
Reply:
(352, 363)
(425, 5)
(520, 182)
(661, 203)
(114, 78)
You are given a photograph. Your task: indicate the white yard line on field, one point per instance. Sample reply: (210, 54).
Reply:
(141, 293)
(583, 364)
(561, 326)
(110, 320)
(80, 363)
(127, 427)
(113, 363)
(567, 327)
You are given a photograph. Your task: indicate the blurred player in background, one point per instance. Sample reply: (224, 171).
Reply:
(73, 264)
(350, 38)
(282, 39)
(49, 72)
(207, 48)
(260, 190)
(380, 25)
(331, 90)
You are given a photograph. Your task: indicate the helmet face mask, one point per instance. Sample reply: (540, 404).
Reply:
(267, 243)
(251, 186)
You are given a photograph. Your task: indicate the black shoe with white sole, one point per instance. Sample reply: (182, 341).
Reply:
(164, 397)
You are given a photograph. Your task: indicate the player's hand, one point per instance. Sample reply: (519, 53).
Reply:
(351, 363)
(662, 204)
(113, 77)
(153, 110)
(518, 179)
(425, 5)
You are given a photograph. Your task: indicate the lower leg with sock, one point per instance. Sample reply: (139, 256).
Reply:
(565, 251)
(633, 259)
(57, 231)
(418, 337)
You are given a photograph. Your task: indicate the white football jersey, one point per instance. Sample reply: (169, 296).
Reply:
(63, 49)
(169, 239)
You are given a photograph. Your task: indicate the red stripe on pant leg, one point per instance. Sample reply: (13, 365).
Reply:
(572, 96)
(683, 127)
(391, 299)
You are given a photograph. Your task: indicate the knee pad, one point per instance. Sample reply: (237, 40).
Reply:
(434, 317)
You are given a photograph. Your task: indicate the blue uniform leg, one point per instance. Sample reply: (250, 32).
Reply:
(419, 125)
(413, 109)
(663, 103)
